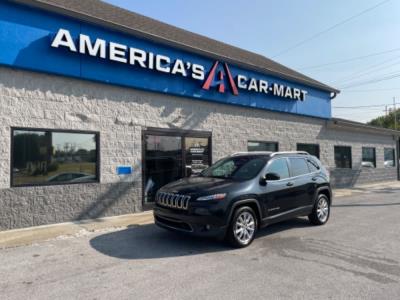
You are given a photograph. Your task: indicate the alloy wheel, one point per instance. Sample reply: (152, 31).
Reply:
(244, 227)
(322, 210)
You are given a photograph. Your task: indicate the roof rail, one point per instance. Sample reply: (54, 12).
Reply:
(290, 152)
(252, 152)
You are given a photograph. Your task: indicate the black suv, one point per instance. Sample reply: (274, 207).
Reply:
(246, 191)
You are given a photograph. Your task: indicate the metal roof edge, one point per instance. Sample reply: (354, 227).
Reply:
(349, 124)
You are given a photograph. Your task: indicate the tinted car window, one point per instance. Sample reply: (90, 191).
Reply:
(298, 166)
(236, 167)
(313, 165)
(279, 167)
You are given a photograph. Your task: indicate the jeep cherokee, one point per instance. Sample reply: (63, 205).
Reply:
(246, 191)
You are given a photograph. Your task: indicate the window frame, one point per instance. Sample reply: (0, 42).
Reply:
(362, 155)
(394, 157)
(351, 156)
(310, 144)
(52, 130)
(265, 142)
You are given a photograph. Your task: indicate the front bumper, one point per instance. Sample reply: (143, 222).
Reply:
(196, 221)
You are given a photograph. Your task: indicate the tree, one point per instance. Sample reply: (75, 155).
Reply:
(387, 121)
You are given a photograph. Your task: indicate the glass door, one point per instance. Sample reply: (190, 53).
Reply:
(172, 155)
(163, 163)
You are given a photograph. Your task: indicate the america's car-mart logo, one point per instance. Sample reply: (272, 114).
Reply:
(218, 77)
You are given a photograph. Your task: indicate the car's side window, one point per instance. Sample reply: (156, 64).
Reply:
(298, 166)
(312, 165)
(279, 167)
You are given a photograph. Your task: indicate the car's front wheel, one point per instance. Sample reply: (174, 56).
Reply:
(321, 211)
(242, 228)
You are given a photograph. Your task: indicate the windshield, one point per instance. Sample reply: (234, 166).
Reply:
(236, 167)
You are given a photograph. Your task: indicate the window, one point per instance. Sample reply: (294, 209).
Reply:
(298, 166)
(368, 157)
(262, 146)
(237, 167)
(343, 157)
(45, 157)
(279, 167)
(389, 157)
(313, 165)
(312, 149)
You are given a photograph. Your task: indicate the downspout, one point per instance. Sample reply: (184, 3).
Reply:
(333, 95)
(398, 157)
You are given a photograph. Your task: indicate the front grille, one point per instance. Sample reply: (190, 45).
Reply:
(173, 200)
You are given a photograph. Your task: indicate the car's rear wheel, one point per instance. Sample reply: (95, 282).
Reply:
(242, 228)
(321, 211)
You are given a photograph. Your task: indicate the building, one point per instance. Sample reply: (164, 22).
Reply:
(100, 106)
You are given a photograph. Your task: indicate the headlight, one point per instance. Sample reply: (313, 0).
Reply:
(212, 197)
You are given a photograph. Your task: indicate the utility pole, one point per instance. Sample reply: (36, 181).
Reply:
(395, 113)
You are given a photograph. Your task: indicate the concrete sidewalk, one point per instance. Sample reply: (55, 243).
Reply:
(366, 188)
(31, 235)
(37, 234)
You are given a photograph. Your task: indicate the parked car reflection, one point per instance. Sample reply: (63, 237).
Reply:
(71, 177)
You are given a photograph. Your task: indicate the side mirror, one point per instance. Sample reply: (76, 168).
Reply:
(269, 176)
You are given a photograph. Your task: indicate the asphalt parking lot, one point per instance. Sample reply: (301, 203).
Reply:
(356, 255)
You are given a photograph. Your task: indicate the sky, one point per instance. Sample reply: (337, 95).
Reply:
(297, 34)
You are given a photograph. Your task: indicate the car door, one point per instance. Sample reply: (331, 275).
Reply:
(276, 194)
(303, 185)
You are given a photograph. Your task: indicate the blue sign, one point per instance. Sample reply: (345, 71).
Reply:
(124, 170)
(46, 42)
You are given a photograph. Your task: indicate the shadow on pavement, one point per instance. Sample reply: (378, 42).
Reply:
(149, 241)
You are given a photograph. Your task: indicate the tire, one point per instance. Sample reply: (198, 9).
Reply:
(242, 228)
(321, 211)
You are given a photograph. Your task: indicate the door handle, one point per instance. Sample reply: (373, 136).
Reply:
(290, 183)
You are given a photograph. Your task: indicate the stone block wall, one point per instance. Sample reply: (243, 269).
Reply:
(35, 100)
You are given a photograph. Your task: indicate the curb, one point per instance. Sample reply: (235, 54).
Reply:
(30, 235)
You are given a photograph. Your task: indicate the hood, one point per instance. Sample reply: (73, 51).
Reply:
(195, 185)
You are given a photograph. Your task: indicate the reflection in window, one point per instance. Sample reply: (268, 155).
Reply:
(389, 157)
(368, 157)
(237, 167)
(280, 168)
(298, 166)
(49, 157)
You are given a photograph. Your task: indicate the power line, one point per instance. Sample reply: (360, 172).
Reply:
(368, 70)
(348, 60)
(385, 75)
(370, 90)
(371, 81)
(329, 28)
(364, 106)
